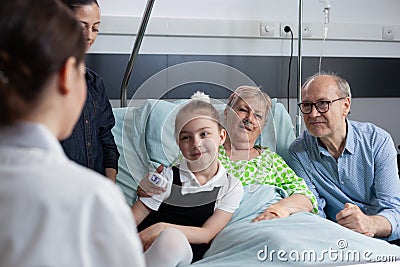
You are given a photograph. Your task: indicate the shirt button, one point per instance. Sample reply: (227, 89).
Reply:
(87, 121)
(88, 144)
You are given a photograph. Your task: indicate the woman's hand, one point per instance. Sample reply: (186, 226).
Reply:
(149, 234)
(285, 207)
(273, 212)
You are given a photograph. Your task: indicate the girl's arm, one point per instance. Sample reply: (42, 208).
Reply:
(140, 211)
(195, 235)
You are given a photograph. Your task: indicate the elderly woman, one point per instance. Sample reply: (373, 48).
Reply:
(245, 117)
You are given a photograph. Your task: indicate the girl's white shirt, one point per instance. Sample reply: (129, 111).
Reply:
(229, 196)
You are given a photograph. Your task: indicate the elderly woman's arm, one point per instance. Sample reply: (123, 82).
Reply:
(270, 168)
(300, 199)
(285, 207)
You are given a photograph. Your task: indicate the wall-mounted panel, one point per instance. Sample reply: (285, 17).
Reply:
(368, 77)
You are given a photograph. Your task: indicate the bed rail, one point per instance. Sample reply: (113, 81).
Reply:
(135, 52)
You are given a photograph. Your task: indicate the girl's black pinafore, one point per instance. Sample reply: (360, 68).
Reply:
(189, 210)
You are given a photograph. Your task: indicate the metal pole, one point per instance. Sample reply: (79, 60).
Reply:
(135, 51)
(299, 70)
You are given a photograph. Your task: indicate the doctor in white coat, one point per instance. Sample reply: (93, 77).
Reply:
(53, 212)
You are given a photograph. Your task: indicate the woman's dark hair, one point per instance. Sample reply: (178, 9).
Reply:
(36, 39)
(75, 4)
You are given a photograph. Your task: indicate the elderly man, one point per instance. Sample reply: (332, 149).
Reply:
(350, 166)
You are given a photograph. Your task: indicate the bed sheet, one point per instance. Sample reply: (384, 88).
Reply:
(301, 239)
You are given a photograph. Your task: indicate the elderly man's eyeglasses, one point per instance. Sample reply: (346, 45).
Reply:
(321, 106)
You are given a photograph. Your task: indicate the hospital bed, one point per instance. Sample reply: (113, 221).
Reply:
(145, 138)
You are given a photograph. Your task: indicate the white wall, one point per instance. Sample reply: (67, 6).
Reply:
(231, 27)
(355, 27)
(347, 11)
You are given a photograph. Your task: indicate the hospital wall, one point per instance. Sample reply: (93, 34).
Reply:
(227, 34)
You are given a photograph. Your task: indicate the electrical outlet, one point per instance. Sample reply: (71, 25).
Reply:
(388, 33)
(267, 28)
(306, 30)
(286, 34)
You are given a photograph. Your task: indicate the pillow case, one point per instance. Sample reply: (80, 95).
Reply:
(161, 123)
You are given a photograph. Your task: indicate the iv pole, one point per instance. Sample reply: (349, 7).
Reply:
(299, 65)
(135, 51)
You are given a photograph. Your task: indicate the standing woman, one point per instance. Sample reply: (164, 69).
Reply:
(91, 143)
(53, 212)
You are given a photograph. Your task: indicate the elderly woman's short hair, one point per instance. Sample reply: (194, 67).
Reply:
(247, 92)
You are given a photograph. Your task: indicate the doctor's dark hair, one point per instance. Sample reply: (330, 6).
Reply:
(36, 39)
(75, 4)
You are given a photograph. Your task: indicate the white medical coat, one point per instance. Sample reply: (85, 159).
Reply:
(54, 212)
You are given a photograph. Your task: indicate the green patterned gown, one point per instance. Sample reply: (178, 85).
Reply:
(267, 168)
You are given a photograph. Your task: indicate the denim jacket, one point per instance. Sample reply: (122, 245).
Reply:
(91, 143)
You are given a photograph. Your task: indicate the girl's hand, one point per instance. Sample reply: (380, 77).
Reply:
(147, 188)
(149, 234)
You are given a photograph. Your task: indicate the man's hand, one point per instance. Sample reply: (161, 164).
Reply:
(353, 218)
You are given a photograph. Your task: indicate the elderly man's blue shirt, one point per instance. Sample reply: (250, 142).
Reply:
(365, 174)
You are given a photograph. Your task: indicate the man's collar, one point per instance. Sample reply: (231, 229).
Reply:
(349, 145)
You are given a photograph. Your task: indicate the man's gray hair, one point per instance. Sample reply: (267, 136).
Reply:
(342, 84)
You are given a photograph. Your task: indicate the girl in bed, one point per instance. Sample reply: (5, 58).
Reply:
(177, 226)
